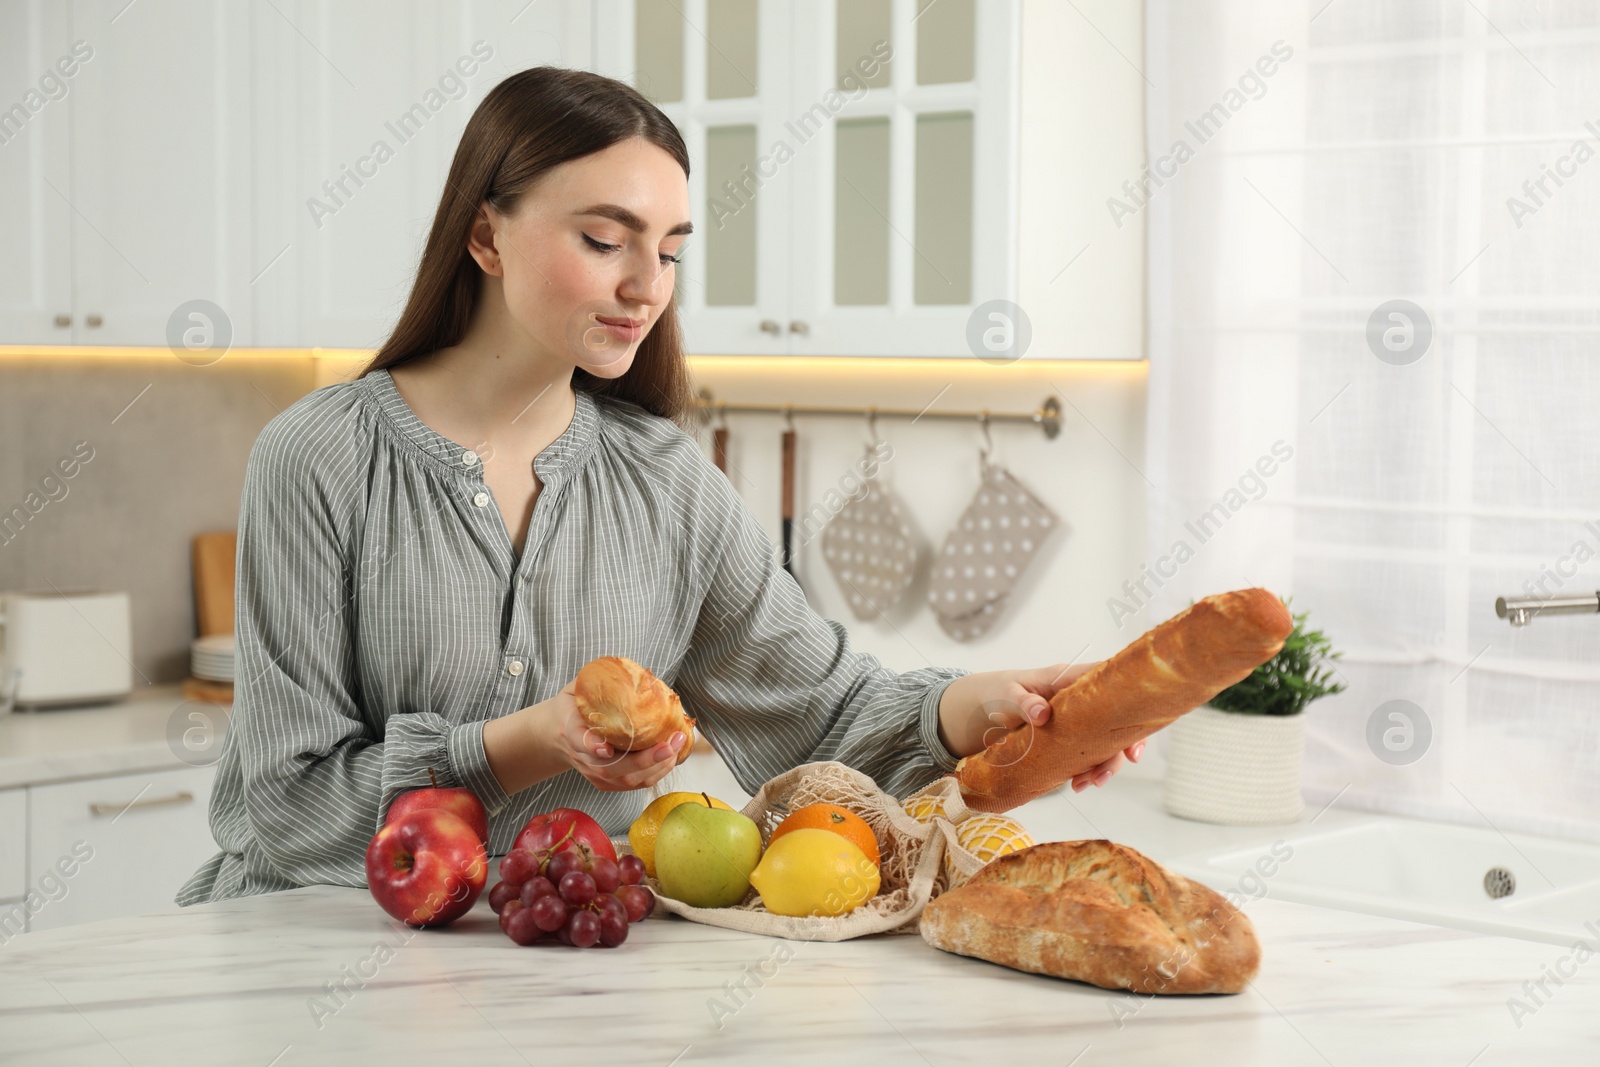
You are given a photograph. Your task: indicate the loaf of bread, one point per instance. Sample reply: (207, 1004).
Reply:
(1097, 912)
(1172, 669)
(629, 706)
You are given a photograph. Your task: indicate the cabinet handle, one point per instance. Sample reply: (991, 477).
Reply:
(94, 320)
(770, 326)
(63, 320)
(181, 797)
(796, 326)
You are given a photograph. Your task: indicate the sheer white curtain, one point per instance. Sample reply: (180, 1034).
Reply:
(1446, 154)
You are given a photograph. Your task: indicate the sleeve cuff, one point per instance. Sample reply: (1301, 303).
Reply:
(471, 765)
(943, 760)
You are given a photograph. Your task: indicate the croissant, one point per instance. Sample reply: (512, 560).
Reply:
(629, 707)
(1173, 669)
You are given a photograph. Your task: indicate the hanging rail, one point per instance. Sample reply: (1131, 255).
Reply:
(1047, 417)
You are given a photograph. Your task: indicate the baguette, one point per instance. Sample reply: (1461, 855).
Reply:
(1172, 669)
(1097, 912)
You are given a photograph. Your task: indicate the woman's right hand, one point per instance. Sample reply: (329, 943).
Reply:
(580, 746)
(607, 770)
(545, 739)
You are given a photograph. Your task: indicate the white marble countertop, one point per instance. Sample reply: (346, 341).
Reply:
(235, 982)
(93, 741)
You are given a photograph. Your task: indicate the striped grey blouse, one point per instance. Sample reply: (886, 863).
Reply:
(383, 616)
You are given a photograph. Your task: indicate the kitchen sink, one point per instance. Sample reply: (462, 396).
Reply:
(1514, 885)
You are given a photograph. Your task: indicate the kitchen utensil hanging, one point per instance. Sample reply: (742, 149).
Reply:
(719, 445)
(1046, 417)
(992, 543)
(788, 492)
(870, 546)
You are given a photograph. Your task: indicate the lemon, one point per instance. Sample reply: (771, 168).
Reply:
(642, 834)
(814, 872)
(988, 836)
(924, 807)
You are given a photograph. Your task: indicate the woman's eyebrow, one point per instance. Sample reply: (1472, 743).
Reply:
(618, 213)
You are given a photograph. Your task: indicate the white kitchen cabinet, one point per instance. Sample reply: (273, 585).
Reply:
(13, 843)
(880, 241)
(360, 105)
(854, 188)
(206, 152)
(130, 841)
(230, 153)
(129, 194)
(161, 174)
(36, 225)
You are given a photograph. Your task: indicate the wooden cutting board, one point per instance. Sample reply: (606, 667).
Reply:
(208, 691)
(213, 555)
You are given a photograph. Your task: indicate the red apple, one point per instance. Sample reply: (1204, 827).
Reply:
(427, 868)
(565, 830)
(462, 802)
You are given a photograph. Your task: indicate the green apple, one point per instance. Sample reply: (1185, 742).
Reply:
(704, 855)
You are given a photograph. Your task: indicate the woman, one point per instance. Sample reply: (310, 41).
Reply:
(429, 553)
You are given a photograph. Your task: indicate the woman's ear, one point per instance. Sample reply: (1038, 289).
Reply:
(481, 241)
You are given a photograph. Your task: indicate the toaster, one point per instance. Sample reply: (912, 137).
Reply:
(63, 648)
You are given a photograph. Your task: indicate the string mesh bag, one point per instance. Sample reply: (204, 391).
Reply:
(911, 870)
(940, 805)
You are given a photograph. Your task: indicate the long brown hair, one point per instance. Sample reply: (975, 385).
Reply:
(532, 121)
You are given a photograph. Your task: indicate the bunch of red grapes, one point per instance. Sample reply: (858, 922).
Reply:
(582, 900)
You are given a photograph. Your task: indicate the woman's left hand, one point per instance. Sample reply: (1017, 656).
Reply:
(989, 704)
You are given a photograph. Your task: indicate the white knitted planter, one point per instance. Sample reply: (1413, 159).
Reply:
(1241, 770)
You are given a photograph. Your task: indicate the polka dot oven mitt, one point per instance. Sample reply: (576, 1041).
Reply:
(983, 557)
(870, 547)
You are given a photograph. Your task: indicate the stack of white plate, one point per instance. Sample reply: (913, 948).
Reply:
(211, 657)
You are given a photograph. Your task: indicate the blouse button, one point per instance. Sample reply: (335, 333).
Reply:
(482, 500)
(514, 667)
(468, 458)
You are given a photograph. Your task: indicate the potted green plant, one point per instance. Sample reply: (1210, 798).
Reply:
(1236, 759)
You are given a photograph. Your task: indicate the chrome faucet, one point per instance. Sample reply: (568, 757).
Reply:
(1521, 610)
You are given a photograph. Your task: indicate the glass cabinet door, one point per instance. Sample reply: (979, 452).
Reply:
(914, 190)
(855, 165)
(720, 70)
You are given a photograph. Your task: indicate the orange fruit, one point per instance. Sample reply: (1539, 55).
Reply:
(842, 821)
